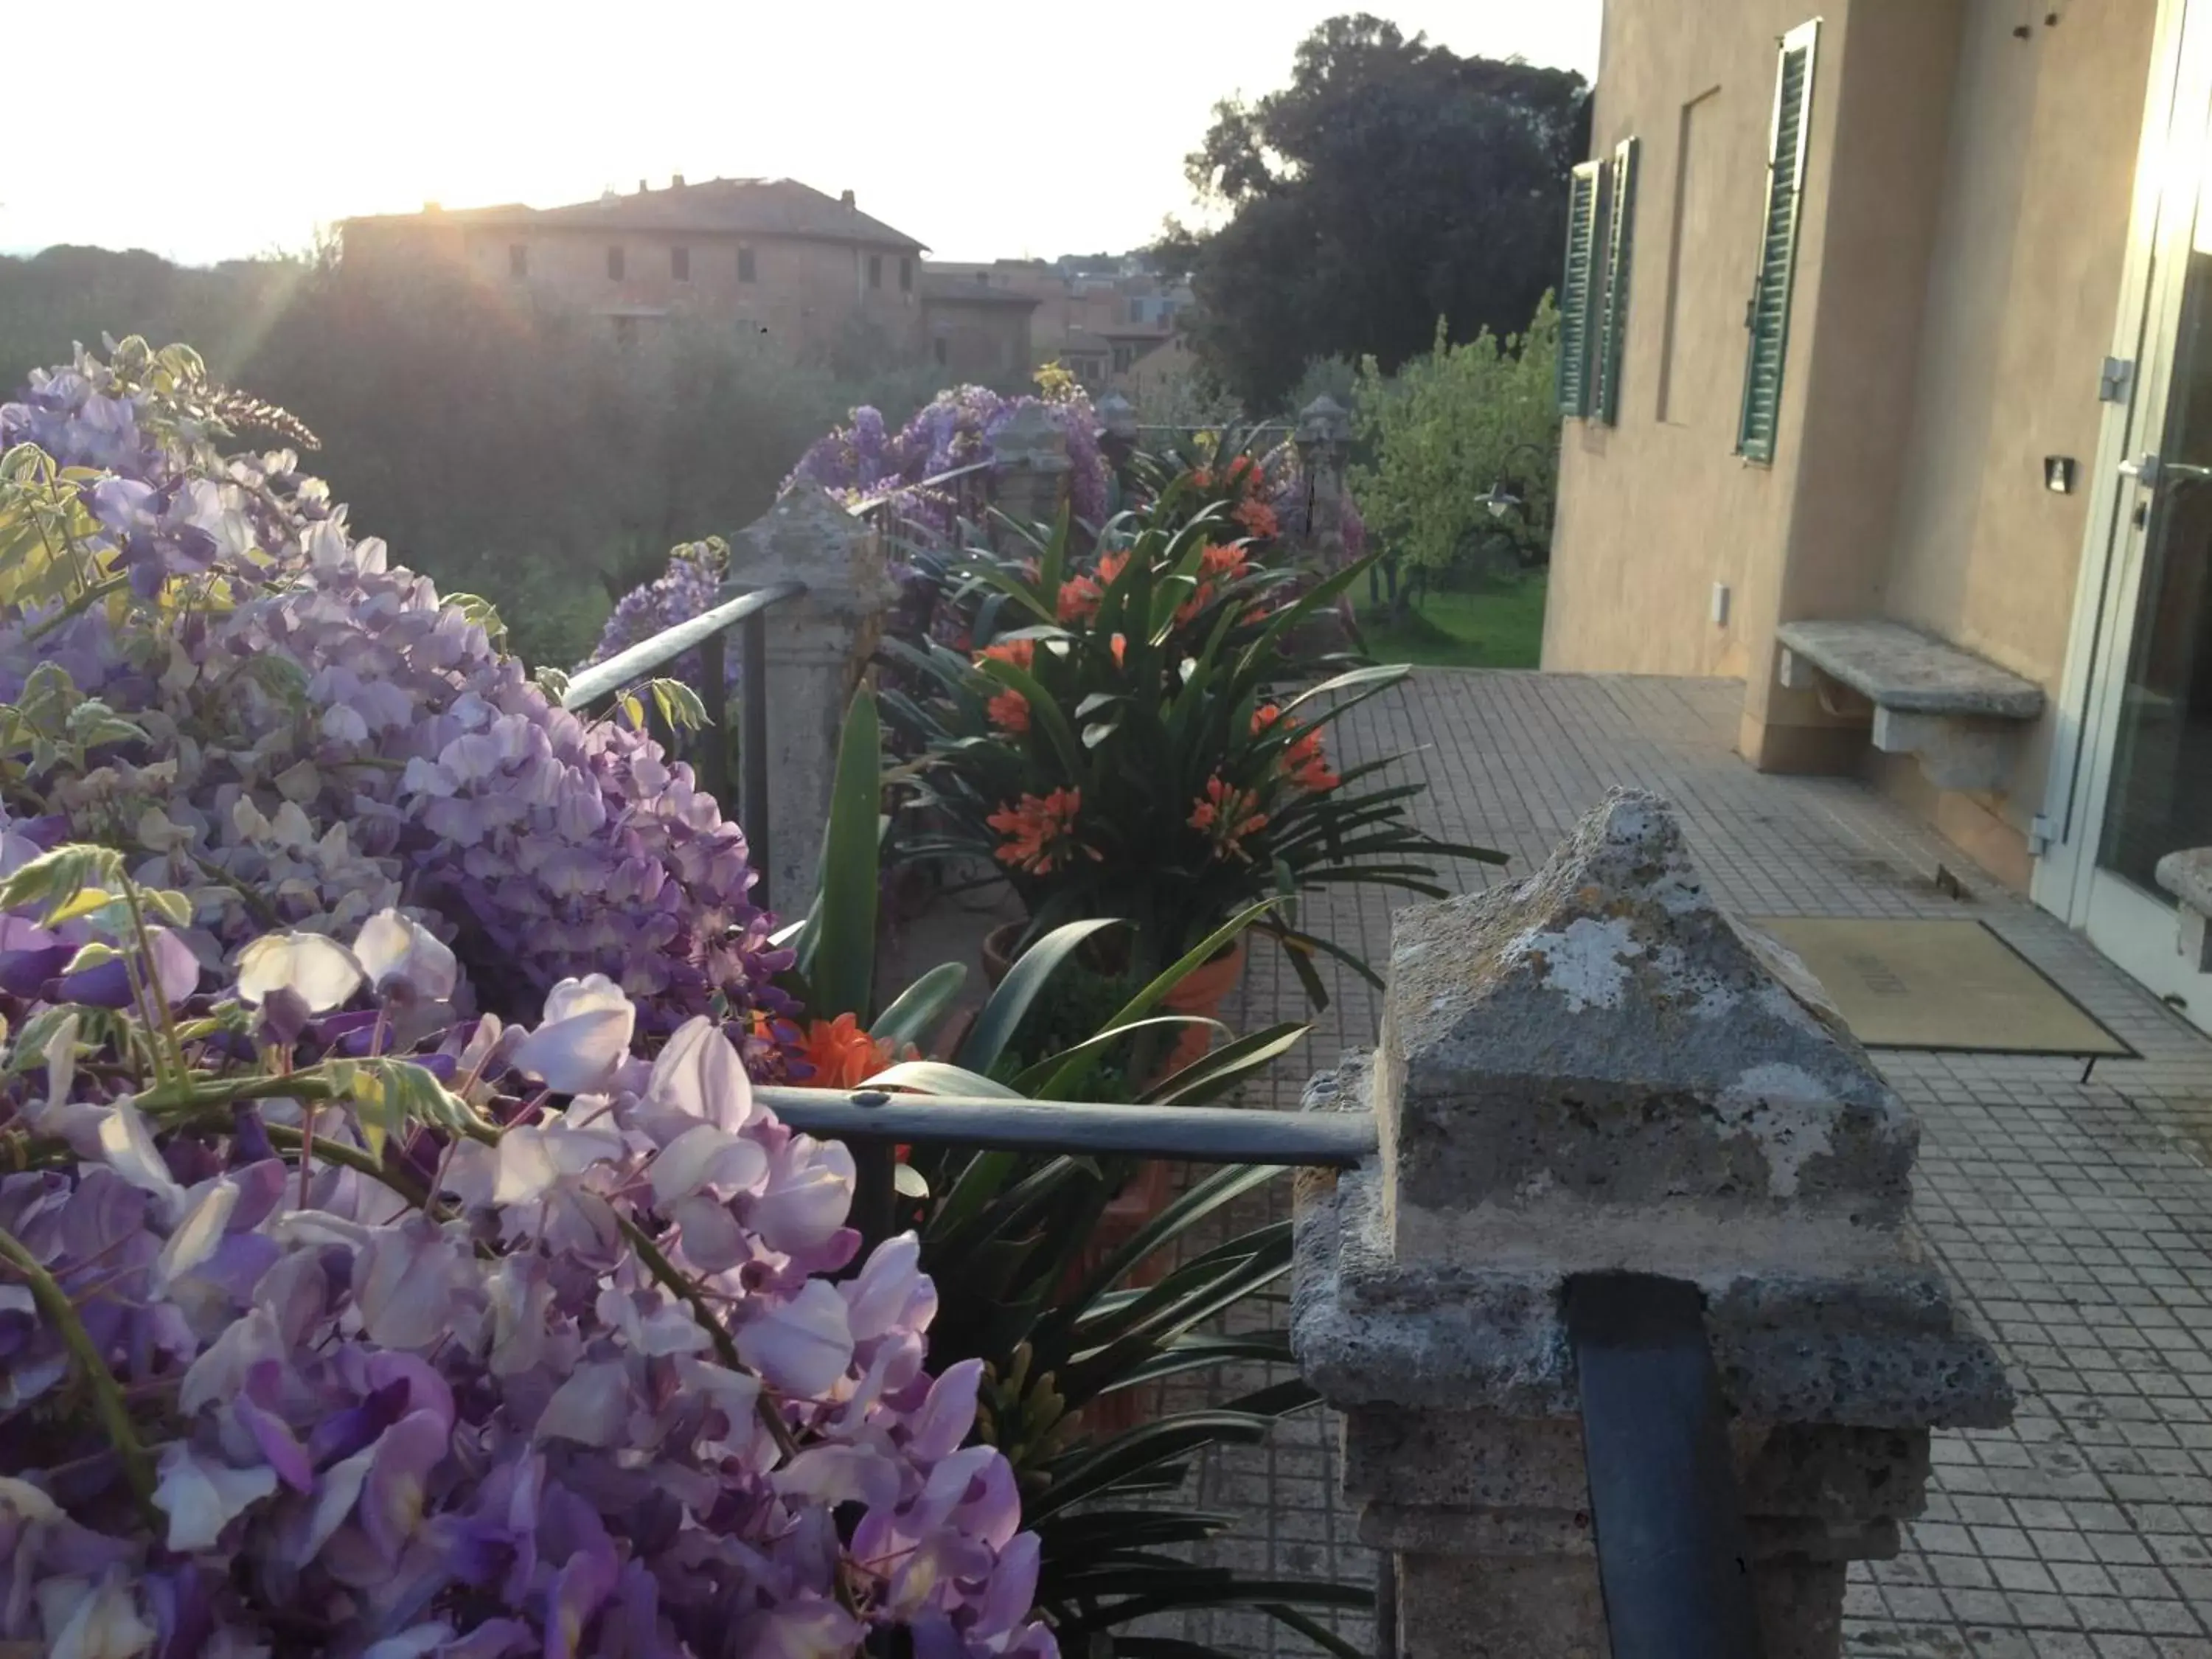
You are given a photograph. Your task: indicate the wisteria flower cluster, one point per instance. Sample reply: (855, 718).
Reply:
(319, 1336)
(692, 584)
(957, 429)
(200, 666)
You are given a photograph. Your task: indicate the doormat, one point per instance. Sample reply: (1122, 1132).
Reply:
(1954, 985)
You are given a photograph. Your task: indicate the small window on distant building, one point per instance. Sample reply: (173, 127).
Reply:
(875, 270)
(518, 260)
(746, 272)
(906, 275)
(679, 264)
(625, 331)
(614, 265)
(940, 344)
(1136, 311)
(1123, 357)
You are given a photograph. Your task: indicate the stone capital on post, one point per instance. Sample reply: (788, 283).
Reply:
(1117, 430)
(818, 647)
(1596, 1069)
(1030, 480)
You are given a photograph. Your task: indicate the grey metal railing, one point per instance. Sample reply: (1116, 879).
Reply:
(966, 489)
(705, 633)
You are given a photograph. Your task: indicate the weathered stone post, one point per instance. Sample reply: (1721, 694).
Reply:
(1031, 479)
(1117, 430)
(818, 647)
(1596, 1070)
(1324, 441)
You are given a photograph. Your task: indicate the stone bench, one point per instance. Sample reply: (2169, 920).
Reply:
(2188, 876)
(1960, 715)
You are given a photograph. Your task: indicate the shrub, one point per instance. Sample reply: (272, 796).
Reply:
(1446, 429)
(520, 1346)
(293, 732)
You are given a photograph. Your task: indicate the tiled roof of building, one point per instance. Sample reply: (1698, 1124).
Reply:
(763, 207)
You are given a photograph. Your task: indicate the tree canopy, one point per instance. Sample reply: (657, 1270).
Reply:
(1392, 182)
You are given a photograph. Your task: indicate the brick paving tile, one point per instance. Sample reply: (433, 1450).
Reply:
(2075, 1218)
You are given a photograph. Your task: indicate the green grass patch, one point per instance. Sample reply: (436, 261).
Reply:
(1499, 625)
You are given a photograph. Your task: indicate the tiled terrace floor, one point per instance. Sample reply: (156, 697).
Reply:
(2074, 1219)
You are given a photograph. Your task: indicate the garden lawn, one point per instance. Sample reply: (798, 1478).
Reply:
(1498, 625)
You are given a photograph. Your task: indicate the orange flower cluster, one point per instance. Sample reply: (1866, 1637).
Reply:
(1081, 596)
(1010, 710)
(1078, 602)
(1227, 815)
(1040, 831)
(1304, 762)
(841, 1054)
(1257, 518)
(1218, 562)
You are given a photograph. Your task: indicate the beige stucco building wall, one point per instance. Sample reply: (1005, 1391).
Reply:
(804, 293)
(1964, 212)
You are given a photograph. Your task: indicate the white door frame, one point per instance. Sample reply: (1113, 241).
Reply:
(2151, 283)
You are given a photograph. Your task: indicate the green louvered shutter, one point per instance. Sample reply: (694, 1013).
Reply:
(1579, 289)
(1767, 317)
(1617, 249)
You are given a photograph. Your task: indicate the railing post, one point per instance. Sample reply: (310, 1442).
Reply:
(807, 658)
(1324, 444)
(1596, 1072)
(752, 747)
(1117, 432)
(713, 741)
(1031, 479)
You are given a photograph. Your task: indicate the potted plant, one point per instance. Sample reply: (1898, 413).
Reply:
(1125, 739)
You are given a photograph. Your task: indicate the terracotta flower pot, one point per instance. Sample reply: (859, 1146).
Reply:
(1202, 992)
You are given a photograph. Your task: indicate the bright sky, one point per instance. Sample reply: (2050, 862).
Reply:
(985, 128)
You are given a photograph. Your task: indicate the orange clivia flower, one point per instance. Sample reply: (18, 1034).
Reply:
(1078, 602)
(841, 1052)
(1120, 648)
(1040, 831)
(1224, 559)
(1307, 765)
(1110, 566)
(1019, 652)
(1009, 711)
(1227, 815)
(1257, 518)
(1304, 762)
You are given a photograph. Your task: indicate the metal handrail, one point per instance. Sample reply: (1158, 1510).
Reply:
(868, 504)
(704, 633)
(1205, 1134)
(589, 684)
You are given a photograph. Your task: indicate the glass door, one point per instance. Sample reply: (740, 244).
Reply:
(2150, 749)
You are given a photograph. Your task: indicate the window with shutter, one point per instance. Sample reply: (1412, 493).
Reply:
(1614, 331)
(1767, 318)
(1579, 289)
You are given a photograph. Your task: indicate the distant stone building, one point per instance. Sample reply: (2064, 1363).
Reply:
(1099, 325)
(809, 272)
(978, 331)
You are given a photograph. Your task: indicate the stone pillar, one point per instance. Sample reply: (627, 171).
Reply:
(1324, 441)
(1117, 431)
(1030, 481)
(1596, 1070)
(818, 647)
